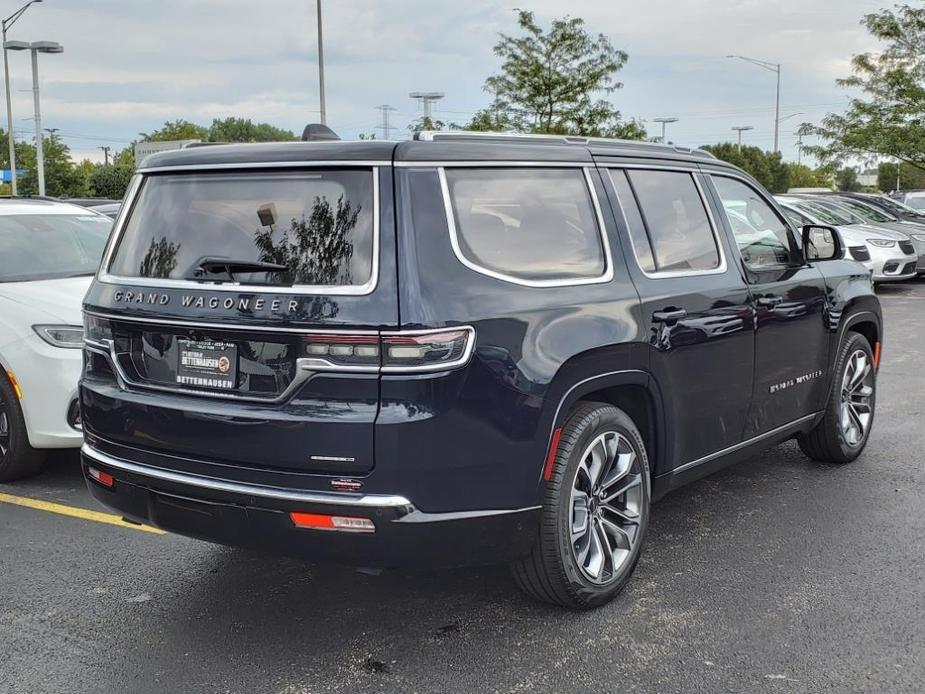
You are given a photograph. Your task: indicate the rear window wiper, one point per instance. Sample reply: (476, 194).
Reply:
(224, 269)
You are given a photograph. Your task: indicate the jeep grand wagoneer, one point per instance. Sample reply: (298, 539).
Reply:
(459, 349)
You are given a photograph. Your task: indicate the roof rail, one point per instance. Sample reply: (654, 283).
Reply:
(529, 138)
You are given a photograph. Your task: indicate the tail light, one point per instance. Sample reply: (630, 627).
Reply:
(97, 329)
(393, 352)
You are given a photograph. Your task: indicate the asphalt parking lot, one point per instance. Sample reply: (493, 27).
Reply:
(777, 575)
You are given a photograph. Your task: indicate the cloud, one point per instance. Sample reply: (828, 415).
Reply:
(128, 67)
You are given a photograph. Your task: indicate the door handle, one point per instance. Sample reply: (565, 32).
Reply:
(770, 301)
(669, 315)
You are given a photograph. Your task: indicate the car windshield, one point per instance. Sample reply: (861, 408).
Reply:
(917, 204)
(823, 214)
(845, 215)
(867, 212)
(49, 246)
(895, 206)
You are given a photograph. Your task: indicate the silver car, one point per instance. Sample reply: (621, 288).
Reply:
(889, 255)
(862, 213)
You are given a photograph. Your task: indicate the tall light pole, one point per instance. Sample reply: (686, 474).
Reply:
(775, 68)
(741, 129)
(37, 47)
(7, 23)
(427, 98)
(324, 115)
(664, 122)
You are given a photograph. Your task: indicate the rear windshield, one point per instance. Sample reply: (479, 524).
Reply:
(49, 246)
(317, 225)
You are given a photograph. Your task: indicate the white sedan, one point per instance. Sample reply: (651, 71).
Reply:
(49, 252)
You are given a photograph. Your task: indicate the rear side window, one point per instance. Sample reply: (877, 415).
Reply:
(532, 225)
(317, 225)
(676, 220)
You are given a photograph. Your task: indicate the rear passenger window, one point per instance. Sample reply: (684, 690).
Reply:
(676, 220)
(527, 224)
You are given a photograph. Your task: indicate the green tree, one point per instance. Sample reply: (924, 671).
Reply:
(245, 130)
(767, 167)
(177, 130)
(550, 82)
(887, 118)
(110, 181)
(802, 176)
(846, 179)
(910, 177)
(63, 178)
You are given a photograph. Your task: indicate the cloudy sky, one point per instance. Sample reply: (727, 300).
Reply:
(128, 66)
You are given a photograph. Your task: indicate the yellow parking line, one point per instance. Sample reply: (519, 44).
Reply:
(75, 512)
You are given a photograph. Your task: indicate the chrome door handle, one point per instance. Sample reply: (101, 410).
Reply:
(669, 316)
(770, 301)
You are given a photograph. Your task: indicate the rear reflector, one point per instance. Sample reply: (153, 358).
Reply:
(103, 478)
(319, 521)
(551, 455)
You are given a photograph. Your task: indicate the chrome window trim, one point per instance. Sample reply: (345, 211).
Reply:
(718, 270)
(490, 163)
(651, 167)
(607, 276)
(275, 493)
(364, 289)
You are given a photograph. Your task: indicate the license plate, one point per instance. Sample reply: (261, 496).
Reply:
(207, 364)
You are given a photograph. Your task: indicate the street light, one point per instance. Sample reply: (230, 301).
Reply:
(7, 23)
(741, 129)
(324, 116)
(664, 122)
(775, 68)
(36, 47)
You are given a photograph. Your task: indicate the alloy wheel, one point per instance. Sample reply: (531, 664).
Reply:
(857, 393)
(606, 506)
(4, 430)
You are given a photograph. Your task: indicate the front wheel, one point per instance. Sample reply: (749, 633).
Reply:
(842, 434)
(17, 458)
(595, 512)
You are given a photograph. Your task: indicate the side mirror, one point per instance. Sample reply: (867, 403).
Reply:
(821, 243)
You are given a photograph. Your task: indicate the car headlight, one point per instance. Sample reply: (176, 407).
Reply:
(67, 336)
(918, 237)
(882, 243)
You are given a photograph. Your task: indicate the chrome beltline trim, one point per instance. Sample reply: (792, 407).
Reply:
(743, 444)
(481, 163)
(275, 493)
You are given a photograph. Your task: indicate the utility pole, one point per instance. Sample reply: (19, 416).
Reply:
(775, 68)
(426, 99)
(106, 149)
(664, 122)
(324, 116)
(799, 148)
(7, 23)
(386, 127)
(741, 129)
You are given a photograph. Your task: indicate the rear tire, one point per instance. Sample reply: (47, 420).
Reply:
(18, 458)
(842, 434)
(595, 512)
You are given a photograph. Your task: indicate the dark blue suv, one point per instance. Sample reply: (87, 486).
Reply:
(459, 349)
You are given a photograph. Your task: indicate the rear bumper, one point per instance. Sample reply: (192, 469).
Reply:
(232, 513)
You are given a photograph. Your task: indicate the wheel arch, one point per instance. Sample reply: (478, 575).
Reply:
(632, 390)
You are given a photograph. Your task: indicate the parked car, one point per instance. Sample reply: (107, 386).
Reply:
(913, 198)
(874, 216)
(110, 209)
(887, 204)
(889, 255)
(459, 349)
(49, 252)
